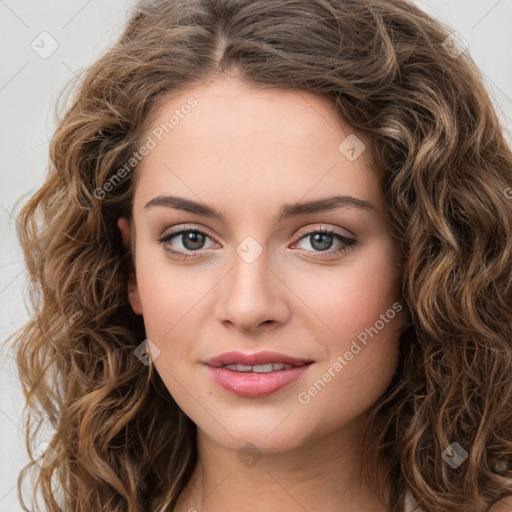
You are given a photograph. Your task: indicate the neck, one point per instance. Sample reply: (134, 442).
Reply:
(317, 475)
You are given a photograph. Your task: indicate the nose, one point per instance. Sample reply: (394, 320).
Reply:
(252, 294)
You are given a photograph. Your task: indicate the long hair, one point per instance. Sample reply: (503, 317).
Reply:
(119, 441)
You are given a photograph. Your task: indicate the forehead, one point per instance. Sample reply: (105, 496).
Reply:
(248, 144)
(227, 110)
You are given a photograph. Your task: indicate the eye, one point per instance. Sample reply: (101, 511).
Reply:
(190, 238)
(322, 239)
(192, 241)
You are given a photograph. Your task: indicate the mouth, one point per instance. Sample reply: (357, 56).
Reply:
(260, 368)
(256, 375)
(260, 362)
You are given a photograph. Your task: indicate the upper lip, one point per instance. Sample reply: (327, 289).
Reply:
(257, 358)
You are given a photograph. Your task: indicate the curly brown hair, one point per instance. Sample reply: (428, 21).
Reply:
(121, 442)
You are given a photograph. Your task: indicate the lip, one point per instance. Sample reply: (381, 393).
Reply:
(248, 384)
(264, 357)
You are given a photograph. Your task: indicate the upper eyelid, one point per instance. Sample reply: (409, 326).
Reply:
(179, 230)
(324, 229)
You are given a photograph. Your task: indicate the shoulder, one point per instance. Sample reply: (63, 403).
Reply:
(504, 505)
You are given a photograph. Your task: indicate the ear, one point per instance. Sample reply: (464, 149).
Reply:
(133, 290)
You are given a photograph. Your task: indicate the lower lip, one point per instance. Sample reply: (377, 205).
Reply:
(256, 384)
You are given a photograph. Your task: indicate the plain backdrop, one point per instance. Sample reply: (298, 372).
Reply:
(76, 32)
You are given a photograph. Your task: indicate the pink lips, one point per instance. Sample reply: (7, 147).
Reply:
(249, 384)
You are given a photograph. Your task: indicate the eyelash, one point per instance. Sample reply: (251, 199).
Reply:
(347, 241)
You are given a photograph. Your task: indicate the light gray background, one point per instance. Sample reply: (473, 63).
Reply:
(28, 88)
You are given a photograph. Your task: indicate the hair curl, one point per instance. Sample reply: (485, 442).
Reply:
(121, 441)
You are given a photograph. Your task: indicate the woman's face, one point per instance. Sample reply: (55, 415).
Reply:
(254, 272)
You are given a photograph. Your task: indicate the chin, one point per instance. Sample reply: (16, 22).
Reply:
(268, 435)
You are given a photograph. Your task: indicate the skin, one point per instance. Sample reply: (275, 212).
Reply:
(247, 152)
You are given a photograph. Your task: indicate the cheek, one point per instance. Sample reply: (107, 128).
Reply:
(174, 302)
(352, 297)
(170, 294)
(362, 321)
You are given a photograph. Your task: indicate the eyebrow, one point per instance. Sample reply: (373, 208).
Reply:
(287, 211)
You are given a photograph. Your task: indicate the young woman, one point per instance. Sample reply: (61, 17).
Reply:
(271, 266)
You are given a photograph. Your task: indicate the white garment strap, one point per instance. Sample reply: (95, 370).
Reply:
(410, 503)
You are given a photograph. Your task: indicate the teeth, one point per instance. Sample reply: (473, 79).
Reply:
(238, 367)
(258, 368)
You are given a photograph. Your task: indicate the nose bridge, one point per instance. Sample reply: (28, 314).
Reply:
(251, 293)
